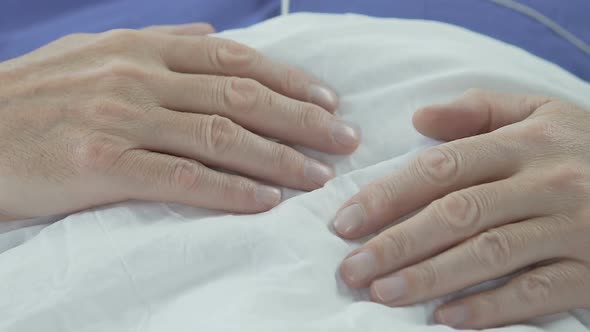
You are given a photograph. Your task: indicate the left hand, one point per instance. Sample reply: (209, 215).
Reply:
(510, 192)
(159, 114)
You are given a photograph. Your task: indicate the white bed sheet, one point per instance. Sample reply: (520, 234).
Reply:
(157, 267)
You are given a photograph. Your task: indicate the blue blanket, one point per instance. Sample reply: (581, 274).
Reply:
(28, 24)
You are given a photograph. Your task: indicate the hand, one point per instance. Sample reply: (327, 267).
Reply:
(150, 115)
(510, 193)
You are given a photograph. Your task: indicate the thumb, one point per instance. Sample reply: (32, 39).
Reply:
(476, 112)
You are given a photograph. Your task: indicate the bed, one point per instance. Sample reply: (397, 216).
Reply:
(139, 266)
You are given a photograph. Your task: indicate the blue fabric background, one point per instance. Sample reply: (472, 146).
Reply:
(28, 24)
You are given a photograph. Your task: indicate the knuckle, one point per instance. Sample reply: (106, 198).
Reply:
(308, 116)
(534, 288)
(230, 56)
(458, 212)
(122, 37)
(438, 166)
(220, 134)
(380, 195)
(293, 80)
(386, 191)
(491, 249)
(109, 110)
(538, 131)
(121, 69)
(566, 178)
(99, 153)
(425, 276)
(237, 189)
(561, 219)
(268, 99)
(283, 156)
(573, 271)
(394, 245)
(536, 103)
(241, 94)
(186, 175)
(73, 37)
(524, 102)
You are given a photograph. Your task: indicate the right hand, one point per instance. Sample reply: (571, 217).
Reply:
(148, 114)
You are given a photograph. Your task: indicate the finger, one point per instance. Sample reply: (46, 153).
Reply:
(546, 290)
(488, 256)
(215, 56)
(218, 142)
(199, 29)
(152, 176)
(259, 109)
(476, 112)
(435, 173)
(448, 221)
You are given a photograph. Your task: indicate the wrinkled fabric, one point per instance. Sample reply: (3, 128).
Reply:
(159, 267)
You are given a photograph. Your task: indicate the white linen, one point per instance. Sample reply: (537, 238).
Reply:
(158, 267)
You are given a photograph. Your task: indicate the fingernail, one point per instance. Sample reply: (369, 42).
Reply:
(350, 219)
(390, 289)
(345, 134)
(317, 173)
(268, 196)
(323, 97)
(360, 267)
(453, 316)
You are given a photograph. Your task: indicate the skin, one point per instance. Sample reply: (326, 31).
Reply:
(509, 192)
(155, 115)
